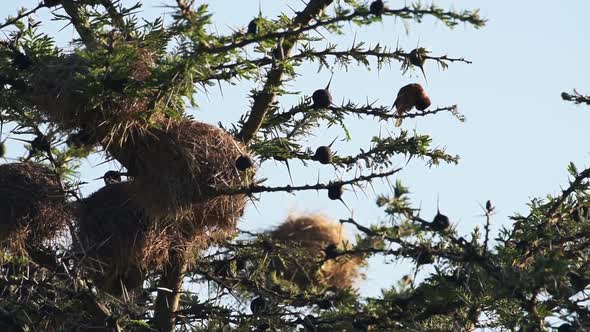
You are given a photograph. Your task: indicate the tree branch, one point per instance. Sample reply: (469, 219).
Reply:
(274, 79)
(576, 97)
(114, 14)
(168, 297)
(81, 23)
(320, 186)
(11, 21)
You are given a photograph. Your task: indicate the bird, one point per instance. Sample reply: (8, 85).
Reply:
(408, 97)
(111, 177)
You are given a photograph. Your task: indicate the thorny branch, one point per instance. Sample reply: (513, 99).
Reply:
(265, 98)
(576, 97)
(80, 22)
(352, 53)
(320, 186)
(405, 13)
(14, 20)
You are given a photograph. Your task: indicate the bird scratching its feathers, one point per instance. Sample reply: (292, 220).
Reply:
(408, 97)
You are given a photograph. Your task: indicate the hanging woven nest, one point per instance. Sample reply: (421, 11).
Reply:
(115, 236)
(60, 86)
(56, 90)
(122, 243)
(311, 235)
(180, 167)
(34, 213)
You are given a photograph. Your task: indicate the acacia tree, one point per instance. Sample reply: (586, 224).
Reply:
(125, 257)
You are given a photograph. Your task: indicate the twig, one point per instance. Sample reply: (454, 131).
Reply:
(320, 186)
(265, 98)
(576, 97)
(80, 23)
(19, 17)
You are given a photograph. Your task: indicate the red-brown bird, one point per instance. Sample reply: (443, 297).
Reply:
(408, 97)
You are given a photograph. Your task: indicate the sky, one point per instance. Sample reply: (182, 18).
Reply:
(516, 143)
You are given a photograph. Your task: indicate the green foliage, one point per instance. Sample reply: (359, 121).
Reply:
(124, 72)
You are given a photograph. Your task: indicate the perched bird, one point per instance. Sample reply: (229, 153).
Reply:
(408, 97)
(111, 177)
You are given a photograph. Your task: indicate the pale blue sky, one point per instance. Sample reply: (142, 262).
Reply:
(516, 143)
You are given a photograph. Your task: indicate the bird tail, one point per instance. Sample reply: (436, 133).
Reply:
(398, 122)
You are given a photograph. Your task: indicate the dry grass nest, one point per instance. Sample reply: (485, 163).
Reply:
(180, 167)
(312, 234)
(121, 243)
(33, 210)
(58, 88)
(55, 91)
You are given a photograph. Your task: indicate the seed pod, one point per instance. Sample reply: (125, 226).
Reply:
(80, 139)
(323, 154)
(580, 214)
(425, 257)
(2, 149)
(360, 325)
(335, 191)
(74, 140)
(244, 162)
(111, 177)
(565, 327)
(401, 302)
(416, 58)
(440, 222)
(377, 7)
(21, 61)
(115, 84)
(51, 3)
(331, 251)
(489, 206)
(267, 246)
(321, 98)
(578, 282)
(522, 245)
(308, 324)
(41, 144)
(253, 27)
(325, 304)
(263, 327)
(258, 305)
(576, 215)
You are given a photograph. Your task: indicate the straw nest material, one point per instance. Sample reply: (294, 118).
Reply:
(56, 91)
(112, 234)
(122, 243)
(59, 89)
(33, 209)
(311, 235)
(180, 167)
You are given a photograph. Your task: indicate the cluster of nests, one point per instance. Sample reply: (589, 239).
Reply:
(169, 208)
(172, 205)
(318, 242)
